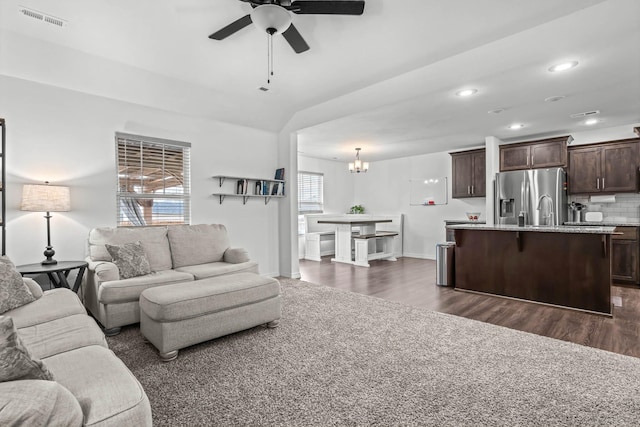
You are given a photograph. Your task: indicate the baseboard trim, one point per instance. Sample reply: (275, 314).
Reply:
(420, 256)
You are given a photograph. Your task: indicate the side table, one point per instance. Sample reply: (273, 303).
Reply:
(57, 273)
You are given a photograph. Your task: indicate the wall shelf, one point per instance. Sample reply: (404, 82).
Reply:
(250, 185)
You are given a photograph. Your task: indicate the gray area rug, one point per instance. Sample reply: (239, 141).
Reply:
(340, 358)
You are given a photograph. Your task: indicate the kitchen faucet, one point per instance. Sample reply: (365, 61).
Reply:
(549, 216)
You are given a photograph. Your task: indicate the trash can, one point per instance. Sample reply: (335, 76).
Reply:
(444, 263)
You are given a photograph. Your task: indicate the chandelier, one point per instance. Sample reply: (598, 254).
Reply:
(358, 166)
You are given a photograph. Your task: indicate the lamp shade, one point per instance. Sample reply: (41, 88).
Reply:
(45, 198)
(271, 16)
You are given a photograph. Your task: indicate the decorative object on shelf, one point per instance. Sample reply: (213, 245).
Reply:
(46, 198)
(358, 166)
(357, 209)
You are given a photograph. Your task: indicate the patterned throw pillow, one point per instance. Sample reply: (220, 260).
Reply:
(13, 292)
(130, 259)
(16, 362)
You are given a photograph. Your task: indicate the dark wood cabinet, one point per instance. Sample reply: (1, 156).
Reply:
(604, 168)
(468, 169)
(584, 170)
(545, 153)
(625, 262)
(565, 269)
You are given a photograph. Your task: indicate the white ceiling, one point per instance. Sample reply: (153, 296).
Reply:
(383, 81)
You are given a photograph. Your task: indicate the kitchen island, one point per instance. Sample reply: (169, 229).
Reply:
(565, 266)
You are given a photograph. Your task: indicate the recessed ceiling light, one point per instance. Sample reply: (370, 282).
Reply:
(496, 111)
(466, 92)
(516, 126)
(554, 98)
(590, 122)
(563, 66)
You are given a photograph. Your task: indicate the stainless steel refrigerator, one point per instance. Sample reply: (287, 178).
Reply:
(539, 194)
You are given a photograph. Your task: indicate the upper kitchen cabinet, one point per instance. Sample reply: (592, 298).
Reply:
(468, 169)
(604, 168)
(544, 153)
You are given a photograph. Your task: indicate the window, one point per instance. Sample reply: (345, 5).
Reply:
(309, 192)
(153, 181)
(310, 198)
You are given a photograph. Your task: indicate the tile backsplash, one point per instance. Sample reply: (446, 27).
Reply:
(627, 206)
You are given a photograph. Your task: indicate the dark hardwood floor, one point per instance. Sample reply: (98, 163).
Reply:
(412, 281)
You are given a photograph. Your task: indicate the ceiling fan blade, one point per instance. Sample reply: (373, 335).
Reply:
(232, 28)
(294, 38)
(347, 7)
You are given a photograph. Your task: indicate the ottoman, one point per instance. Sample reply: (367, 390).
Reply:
(179, 315)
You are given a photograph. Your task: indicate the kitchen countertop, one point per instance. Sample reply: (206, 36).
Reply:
(539, 228)
(462, 221)
(604, 223)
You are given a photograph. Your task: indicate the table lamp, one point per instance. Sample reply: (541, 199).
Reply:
(46, 198)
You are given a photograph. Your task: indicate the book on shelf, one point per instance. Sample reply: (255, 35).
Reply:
(241, 186)
(274, 188)
(280, 174)
(258, 188)
(265, 187)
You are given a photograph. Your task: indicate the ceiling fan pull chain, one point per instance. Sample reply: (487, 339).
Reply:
(270, 32)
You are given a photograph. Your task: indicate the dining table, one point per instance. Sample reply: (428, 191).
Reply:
(357, 241)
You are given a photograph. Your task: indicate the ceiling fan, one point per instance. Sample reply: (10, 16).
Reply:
(274, 16)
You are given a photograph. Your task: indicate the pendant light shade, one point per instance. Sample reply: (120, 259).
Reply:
(269, 16)
(358, 165)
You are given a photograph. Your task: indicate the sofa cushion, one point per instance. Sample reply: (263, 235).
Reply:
(60, 335)
(54, 304)
(33, 287)
(107, 391)
(16, 362)
(153, 239)
(236, 255)
(38, 403)
(130, 259)
(212, 269)
(13, 291)
(127, 290)
(172, 303)
(197, 244)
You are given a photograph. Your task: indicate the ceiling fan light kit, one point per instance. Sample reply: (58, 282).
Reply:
(271, 18)
(274, 16)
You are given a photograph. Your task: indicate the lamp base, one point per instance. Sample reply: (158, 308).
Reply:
(49, 253)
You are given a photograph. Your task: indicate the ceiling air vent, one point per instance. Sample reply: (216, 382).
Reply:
(263, 89)
(31, 13)
(585, 114)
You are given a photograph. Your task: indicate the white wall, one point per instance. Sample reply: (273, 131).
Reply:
(385, 190)
(67, 137)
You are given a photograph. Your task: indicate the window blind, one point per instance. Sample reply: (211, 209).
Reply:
(153, 181)
(310, 192)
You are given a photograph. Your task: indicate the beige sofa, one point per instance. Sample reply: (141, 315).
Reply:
(176, 254)
(91, 385)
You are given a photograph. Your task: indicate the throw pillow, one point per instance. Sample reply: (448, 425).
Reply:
(16, 362)
(130, 259)
(13, 292)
